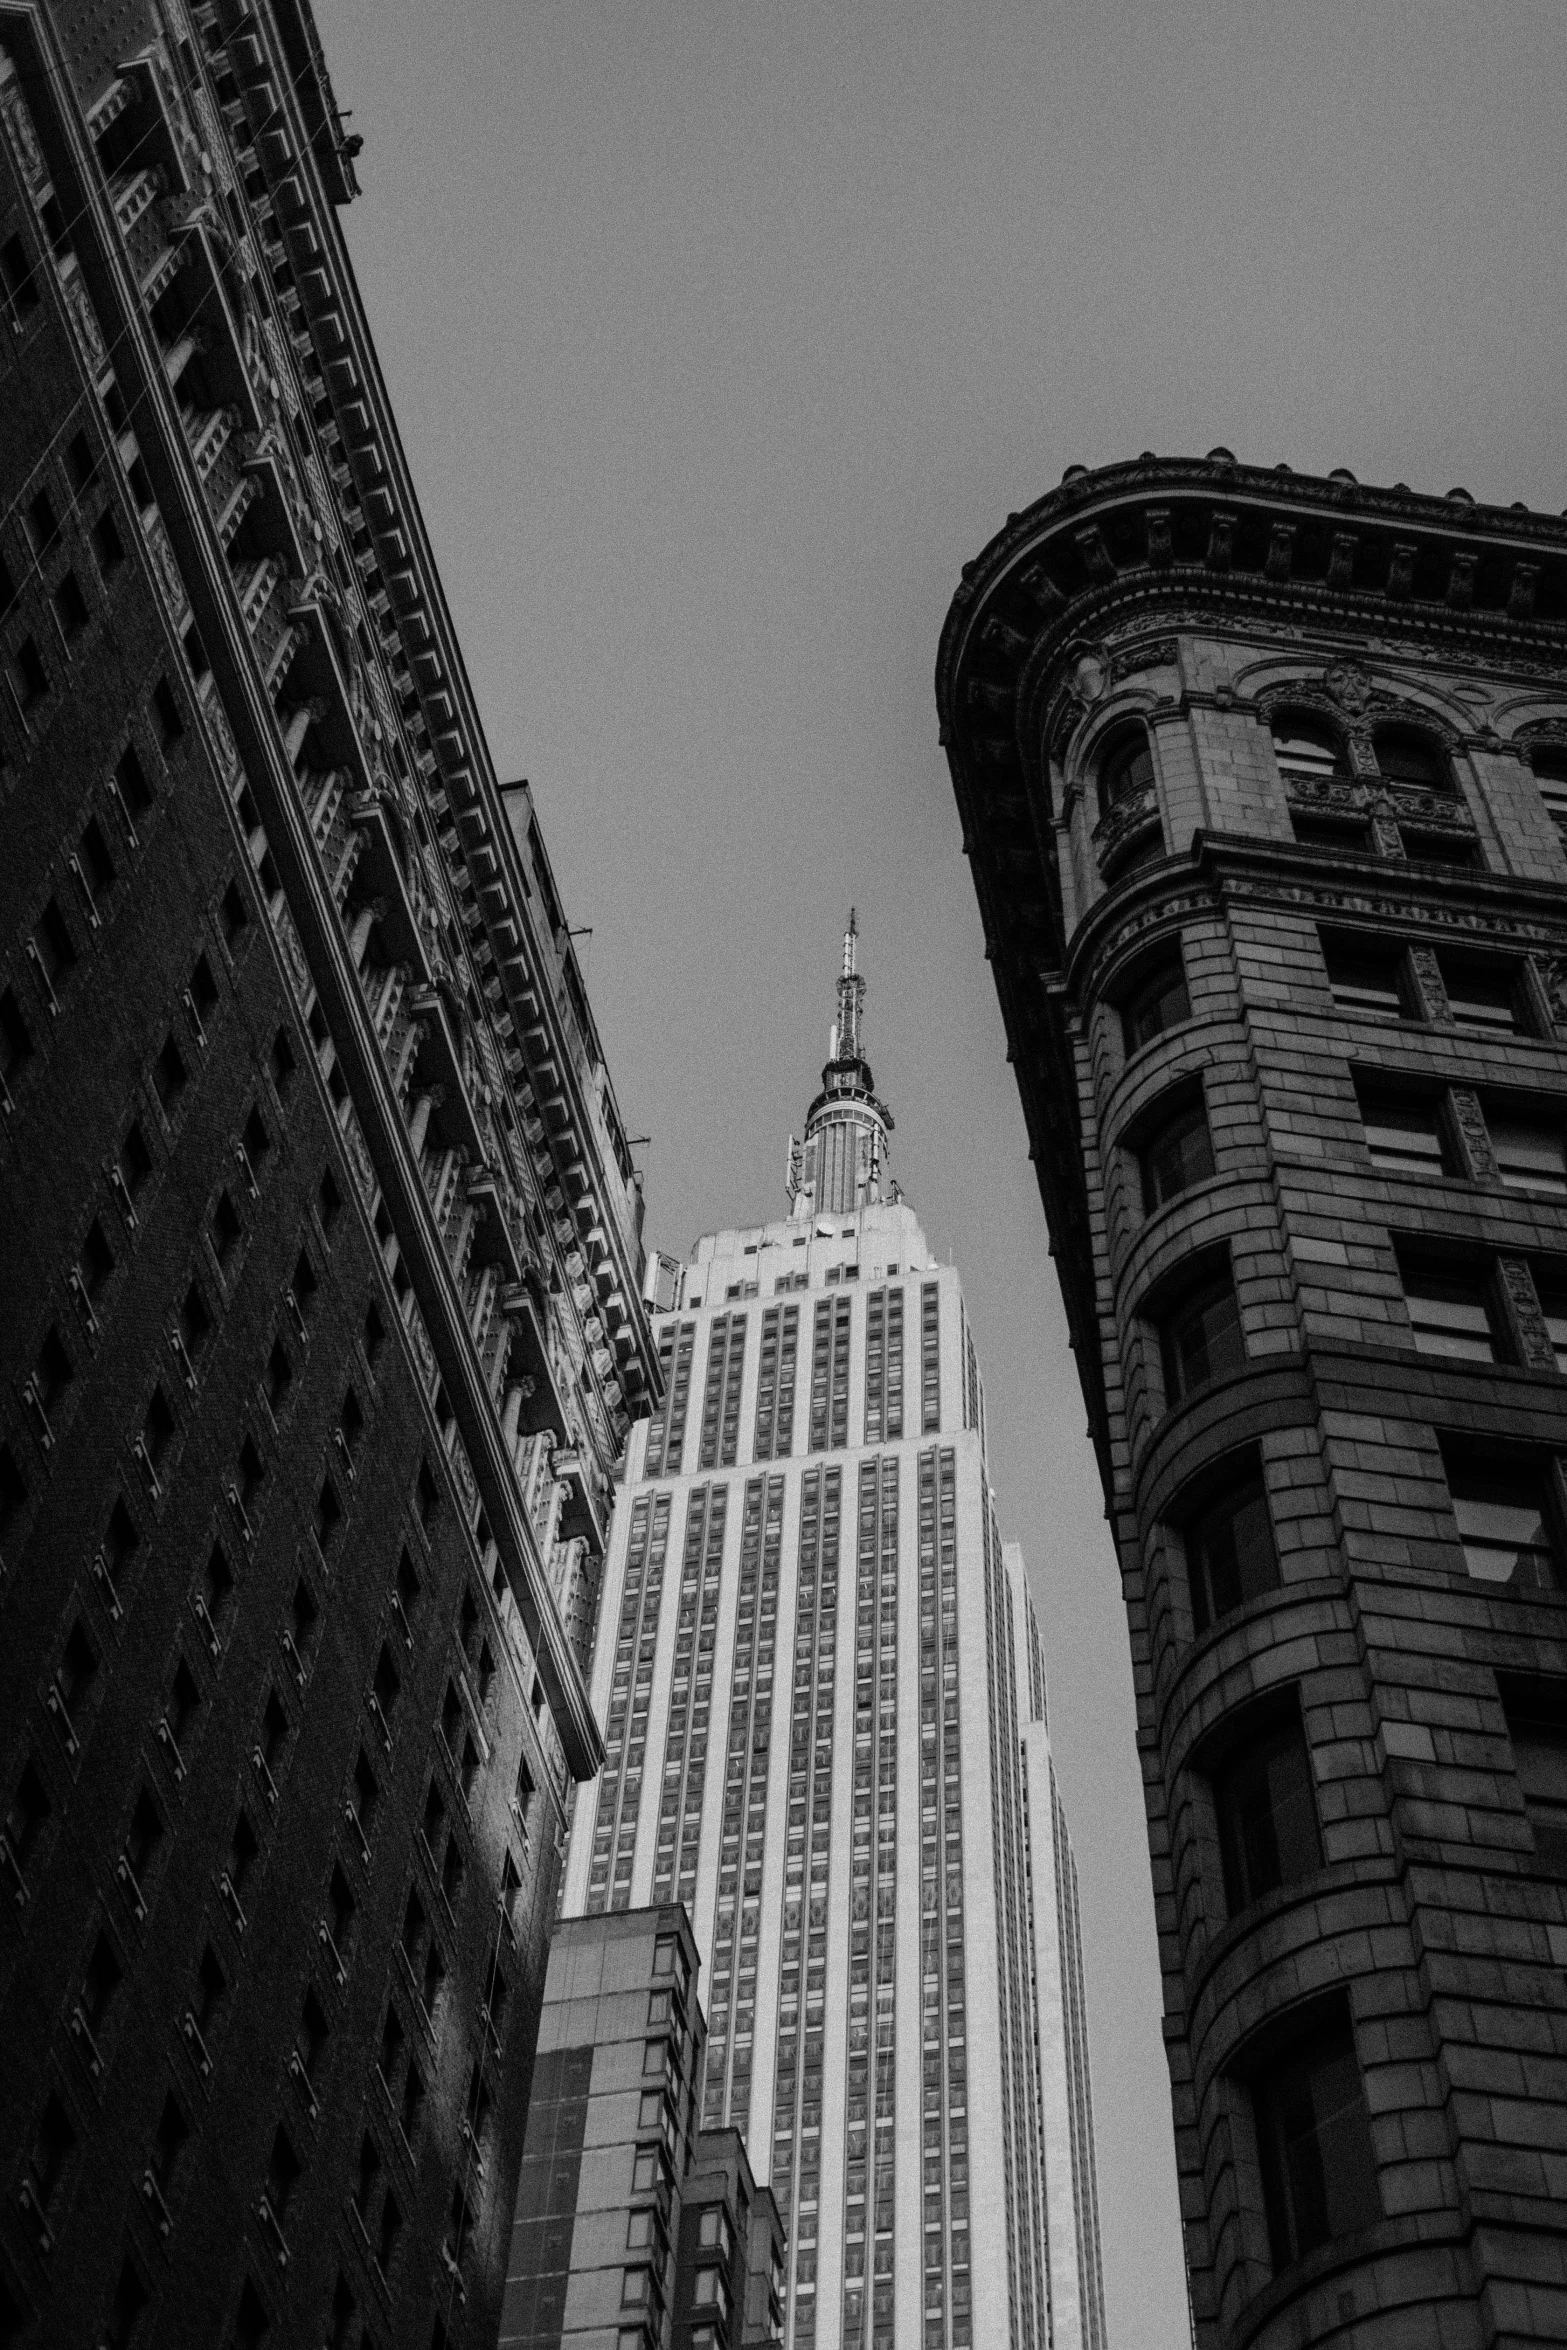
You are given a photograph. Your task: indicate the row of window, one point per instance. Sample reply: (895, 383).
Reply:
(1410, 1129)
(1371, 978)
(375, 2205)
(1312, 758)
(43, 544)
(1302, 2085)
(828, 1415)
(1505, 1504)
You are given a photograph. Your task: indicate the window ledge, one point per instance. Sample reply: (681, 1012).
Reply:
(1413, 2233)
(1336, 1877)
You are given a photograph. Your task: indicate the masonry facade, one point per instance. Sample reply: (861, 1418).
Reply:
(322, 1328)
(1264, 780)
(822, 1687)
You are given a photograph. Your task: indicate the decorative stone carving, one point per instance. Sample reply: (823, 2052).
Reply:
(1433, 811)
(359, 1160)
(1324, 798)
(1118, 823)
(1474, 1136)
(218, 727)
(166, 566)
(1096, 556)
(1041, 590)
(1349, 686)
(84, 320)
(1281, 551)
(1001, 638)
(214, 145)
(1526, 1315)
(294, 963)
(1554, 973)
(1433, 989)
(280, 368)
(1161, 551)
(1155, 653)
(19, 127)
(422, 1347)
(463, 1472)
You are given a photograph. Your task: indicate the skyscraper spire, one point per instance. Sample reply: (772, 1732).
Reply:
(840, 1165)
(851, 996)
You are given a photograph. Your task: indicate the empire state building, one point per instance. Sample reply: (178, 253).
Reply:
(822, 1687)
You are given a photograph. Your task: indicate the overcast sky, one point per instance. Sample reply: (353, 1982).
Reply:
(719, 338)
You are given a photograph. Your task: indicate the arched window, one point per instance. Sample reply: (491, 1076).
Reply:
(1125, 769)
(1406, 756)
(1308, 751)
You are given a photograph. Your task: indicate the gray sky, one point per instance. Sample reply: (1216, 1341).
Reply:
(720, 337)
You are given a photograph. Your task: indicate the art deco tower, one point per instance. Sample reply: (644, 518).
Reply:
(1264, 780)
(822, 1686)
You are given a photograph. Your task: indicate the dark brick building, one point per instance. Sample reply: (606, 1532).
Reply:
(1264, 783)
(321, 1319)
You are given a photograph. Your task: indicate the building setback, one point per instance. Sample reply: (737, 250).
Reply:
(822, 1689)
(1264, 781)
(322, 1332)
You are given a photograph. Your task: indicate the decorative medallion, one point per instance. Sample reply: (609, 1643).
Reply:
(1089, 673)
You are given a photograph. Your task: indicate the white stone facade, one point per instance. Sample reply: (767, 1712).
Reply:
(822, 1688)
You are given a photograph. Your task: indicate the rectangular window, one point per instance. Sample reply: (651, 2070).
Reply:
(1486, 995)
(1529, 1156)
(1366, 976)
(1201, 1339)
(1505, 1522)
(1440, 848)
(1178, 1154)
(1156, 1000)
(1537, 1726)
(1450, 1312)
(1230, 1557)
(1553, 787)
(1406, 1135)
(930, 1358)
(1265, 1800)
(1553, 1305)
(1331, 832)
(1319, 2172)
